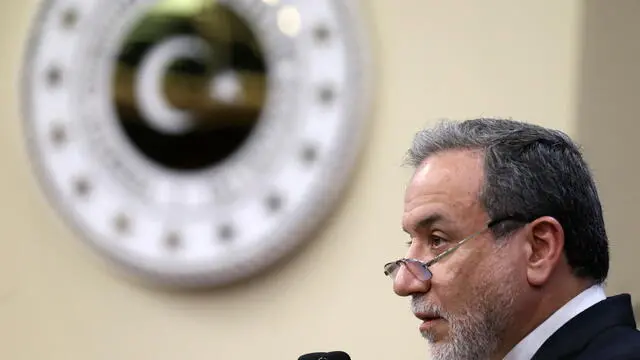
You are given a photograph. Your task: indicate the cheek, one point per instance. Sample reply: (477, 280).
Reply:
(472, 279)
(452, 282)
(504, 279)
(511, 265)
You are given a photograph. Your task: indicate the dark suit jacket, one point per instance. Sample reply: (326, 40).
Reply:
(605, 331)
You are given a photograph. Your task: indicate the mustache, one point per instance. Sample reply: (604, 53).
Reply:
(420, 305)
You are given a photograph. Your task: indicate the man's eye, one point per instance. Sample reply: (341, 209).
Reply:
(436, 241)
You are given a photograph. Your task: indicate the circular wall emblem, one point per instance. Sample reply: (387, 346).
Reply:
(196, 142)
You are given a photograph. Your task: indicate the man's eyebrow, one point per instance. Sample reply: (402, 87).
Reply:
(425, 222)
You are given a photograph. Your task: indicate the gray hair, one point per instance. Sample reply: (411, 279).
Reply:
(530, 171)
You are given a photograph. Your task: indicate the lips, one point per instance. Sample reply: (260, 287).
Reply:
(427, 316)
(428, 321)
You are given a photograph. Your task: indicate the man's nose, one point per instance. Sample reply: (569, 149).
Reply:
(407, 284)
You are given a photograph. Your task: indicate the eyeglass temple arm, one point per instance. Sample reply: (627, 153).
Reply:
(454, 248)
(461, 242)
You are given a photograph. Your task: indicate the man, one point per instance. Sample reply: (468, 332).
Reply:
(508, 250)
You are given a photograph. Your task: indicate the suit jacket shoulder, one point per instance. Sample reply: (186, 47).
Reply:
(605, 331)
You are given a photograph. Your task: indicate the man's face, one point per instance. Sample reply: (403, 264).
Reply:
(467, 304)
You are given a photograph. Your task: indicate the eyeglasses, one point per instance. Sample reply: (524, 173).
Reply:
(421, 270)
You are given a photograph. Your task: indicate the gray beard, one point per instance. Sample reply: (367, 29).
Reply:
(475, 334)
(470, 339)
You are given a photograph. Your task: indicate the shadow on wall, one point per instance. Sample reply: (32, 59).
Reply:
(608, 126)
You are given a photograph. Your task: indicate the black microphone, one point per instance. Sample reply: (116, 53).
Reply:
(333, 355)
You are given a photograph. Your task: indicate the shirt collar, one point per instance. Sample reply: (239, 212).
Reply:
(528, 346)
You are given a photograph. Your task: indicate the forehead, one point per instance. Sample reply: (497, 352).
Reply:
(450, 178)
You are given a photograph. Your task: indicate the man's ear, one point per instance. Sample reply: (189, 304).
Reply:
(544, 249)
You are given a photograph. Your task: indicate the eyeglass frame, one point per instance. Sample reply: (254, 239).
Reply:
(425, 265)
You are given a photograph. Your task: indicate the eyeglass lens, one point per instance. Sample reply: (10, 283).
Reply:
(416, 269)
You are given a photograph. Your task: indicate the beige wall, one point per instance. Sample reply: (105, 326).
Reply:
(436, 59)
(607, 124)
